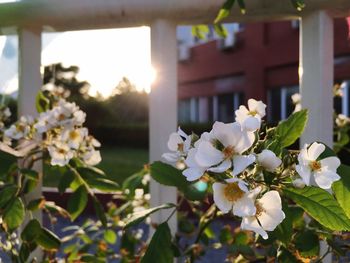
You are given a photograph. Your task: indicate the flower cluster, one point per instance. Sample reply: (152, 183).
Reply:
(234, 157)
(58, 130)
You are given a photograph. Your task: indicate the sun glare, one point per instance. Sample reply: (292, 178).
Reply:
(104, 56)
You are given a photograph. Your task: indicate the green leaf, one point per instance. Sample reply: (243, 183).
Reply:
(168, 175)
(160, 248)
(36, 204)
(138, 217)
(134, 181)
(30, 174)
(307, 244)
(320, 205)
(14, 214)
(77, 202)
(53, 208)
(48, 240)
(110, 236)
(284, 231)
(41, 102)
(241, 5)
(290, 130)
(200, 31)
(7, 194)
(102, 184)
(31, 231)
(341, 188)
(99, 211)
(224, 11)
(220, 30)
(66, 180)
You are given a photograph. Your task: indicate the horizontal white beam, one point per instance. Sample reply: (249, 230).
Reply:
(88, 14)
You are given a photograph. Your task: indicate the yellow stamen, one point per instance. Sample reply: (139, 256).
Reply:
(228, 152)
(232, 192)
(259, 209)
(315, 166)
(180, 147)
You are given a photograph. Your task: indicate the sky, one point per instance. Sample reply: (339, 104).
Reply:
(103, 56)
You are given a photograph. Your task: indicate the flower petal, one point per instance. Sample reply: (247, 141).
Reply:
(219, 198)
(244, 206)
(241, 162)
(331, 163)
(251, 223)
(324, 179)
(270, 219)
(304, 173)
(174, 141)
(315, 150)
(251, 123)
(192, 174)
(222, 167)
(207, 155)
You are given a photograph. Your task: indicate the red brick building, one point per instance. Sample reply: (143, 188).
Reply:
(261, 62)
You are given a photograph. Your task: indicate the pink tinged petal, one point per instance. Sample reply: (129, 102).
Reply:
(170, 157)
(192, 174)
(270, 219)
(304, 173)
(324, 179)
(250, 223)
(207, 155)
(244, 207)
(251, 123)
(315, 150)
(222, 167)
(331, 163)
(174, 141)
(241, 162)
(271, 200)
(219, 198)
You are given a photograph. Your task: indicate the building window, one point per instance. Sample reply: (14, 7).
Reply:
(345, 99)
(184, 111)
(224, 106)
(280, 104)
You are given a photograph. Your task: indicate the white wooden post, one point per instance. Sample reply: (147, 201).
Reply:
(29, 80)
(163, 108)
(316, 81)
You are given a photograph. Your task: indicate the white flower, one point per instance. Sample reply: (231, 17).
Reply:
(194, 170)
(92, 157)
(233, 141)
(296, 99)
(250, 119)
(60, 153)
(179, 143)
(20, 129)
(342, 120)
(44, 122)
(234, 195)
(74, 137)
(322, 172)
(268, 215)
(269, 160)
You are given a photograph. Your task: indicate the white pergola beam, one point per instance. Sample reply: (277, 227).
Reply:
(64, 15)
(316, 82)
(29, 81)
(163, 109)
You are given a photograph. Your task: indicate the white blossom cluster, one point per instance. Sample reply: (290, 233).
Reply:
(59, 131)
(229, 150)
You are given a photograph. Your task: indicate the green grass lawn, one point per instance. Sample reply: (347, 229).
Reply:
(117, 163)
